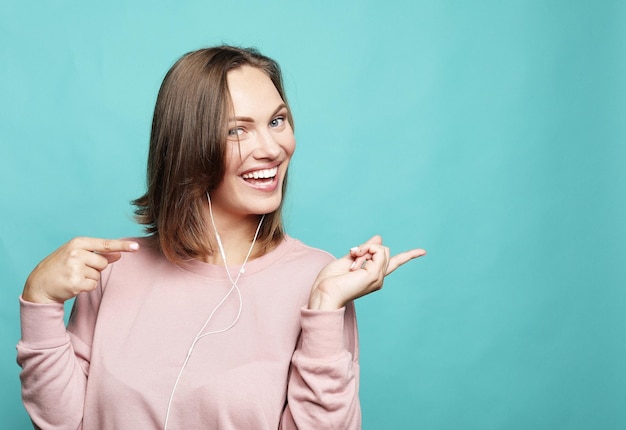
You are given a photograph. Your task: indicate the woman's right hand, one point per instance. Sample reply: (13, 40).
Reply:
(73, 268)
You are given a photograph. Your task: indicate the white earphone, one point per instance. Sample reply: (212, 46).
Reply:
(234, 286)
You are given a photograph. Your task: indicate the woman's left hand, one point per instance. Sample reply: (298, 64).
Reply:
(356, 274)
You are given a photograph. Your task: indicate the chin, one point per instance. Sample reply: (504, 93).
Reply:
(269, 206)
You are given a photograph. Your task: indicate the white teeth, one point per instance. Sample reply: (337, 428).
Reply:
(261, 174)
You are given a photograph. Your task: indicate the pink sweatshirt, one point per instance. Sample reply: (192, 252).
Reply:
(281, 366)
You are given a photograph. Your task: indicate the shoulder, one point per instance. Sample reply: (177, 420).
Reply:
(136, 264)
(288, 271)
(297, 250)
(291, 259)
(148, 252)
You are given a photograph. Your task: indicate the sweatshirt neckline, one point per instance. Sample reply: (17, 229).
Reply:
(218, 271)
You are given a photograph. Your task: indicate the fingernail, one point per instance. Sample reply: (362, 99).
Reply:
(354, 249)
(134, 246)
(353, 264)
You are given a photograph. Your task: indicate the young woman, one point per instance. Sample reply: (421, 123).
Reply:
(217, 319)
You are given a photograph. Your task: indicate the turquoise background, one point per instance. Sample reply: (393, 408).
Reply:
(491, 133)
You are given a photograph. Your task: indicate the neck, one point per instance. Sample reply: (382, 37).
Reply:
(236, 234)
(235, 246)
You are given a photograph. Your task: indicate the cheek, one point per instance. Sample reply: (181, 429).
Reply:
(289, 145)
(292, 148)
(233, 158)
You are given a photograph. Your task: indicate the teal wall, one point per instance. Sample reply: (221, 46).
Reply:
(491, 133)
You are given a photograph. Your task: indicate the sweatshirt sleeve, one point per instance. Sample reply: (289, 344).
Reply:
(55, 360)
(323, 390)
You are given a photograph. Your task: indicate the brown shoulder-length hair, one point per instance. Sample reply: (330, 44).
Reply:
(188, 151)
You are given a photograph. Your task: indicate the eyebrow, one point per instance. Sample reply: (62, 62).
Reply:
(249, 119)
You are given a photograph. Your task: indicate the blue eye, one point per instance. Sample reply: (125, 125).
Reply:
(238, 131)
(277, 122)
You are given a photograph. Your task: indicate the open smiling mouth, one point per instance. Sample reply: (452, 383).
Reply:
(261, 177)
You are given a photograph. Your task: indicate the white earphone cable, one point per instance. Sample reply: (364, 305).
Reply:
(234, 286)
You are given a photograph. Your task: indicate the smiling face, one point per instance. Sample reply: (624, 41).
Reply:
(260, 145)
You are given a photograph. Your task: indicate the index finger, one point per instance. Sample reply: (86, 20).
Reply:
(106, 245)
(404, 257)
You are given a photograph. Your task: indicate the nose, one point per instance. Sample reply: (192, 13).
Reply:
(267, 145)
